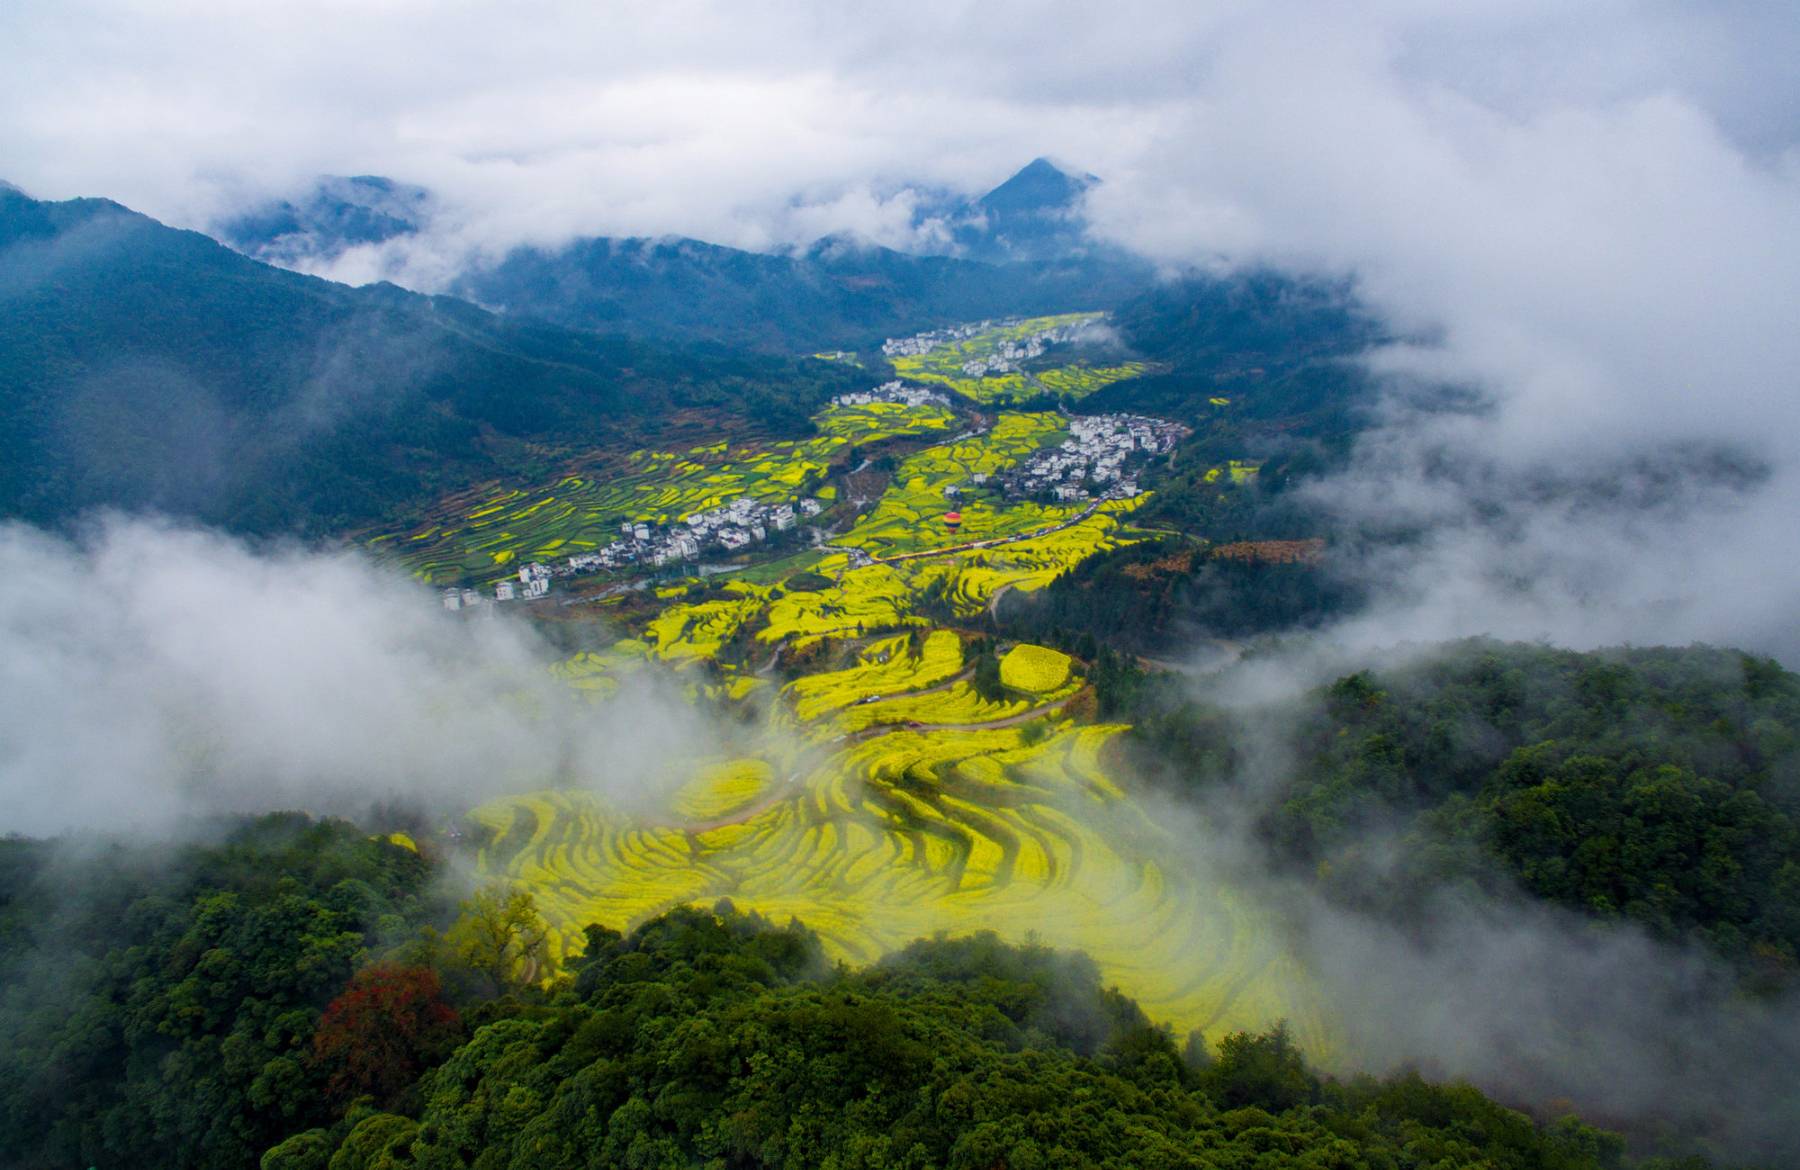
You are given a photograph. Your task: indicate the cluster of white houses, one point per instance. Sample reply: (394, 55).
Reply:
(731, 527)
(1006, 355)
(1102, 453)
(533, 582)
(893, 392)
(920, 343)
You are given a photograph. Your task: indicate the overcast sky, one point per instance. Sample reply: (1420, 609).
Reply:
(707, 118)
(1596, 206)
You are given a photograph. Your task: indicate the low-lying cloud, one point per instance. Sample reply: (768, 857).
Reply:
(1540, 1006)
(1607, 261)
(1549, 1011)
(155, 674)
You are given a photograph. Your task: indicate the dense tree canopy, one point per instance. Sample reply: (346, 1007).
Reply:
(715, 1039)
(385, 1029)
(158, 1007)
(1659, 786)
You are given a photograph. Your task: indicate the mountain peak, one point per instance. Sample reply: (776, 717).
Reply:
(1034, 215)
(1039, 186)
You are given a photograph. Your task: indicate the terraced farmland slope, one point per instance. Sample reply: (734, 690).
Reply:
(885, 795)
(953, 363)
(581, 512)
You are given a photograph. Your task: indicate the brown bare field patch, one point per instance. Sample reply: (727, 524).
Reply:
(1180, 562)
(1273, 552)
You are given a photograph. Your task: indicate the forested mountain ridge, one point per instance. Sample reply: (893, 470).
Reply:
(1036, 214)
(838, 293)
(1658, 787)
(1019, 249)
(336, 214)
(294, 989)
(146, 367)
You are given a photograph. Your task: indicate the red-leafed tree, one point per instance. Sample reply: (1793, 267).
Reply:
(388, 1025)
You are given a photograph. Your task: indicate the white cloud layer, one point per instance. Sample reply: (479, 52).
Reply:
(154, 674)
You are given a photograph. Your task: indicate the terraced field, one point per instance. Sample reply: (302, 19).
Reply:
(887, 666)
(864, 601)
(1043, 541)
(1236, 471)
(719, 790)
(892, 801)
(915, 832)
(700, 629)
(910, 514)
(882, 796)
(944, 365)
(1037, 670)
(579, 513)
(872, 422)
(1079, 379)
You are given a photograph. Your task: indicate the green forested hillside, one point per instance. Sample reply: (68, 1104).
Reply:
(706, 1040)
(1264, 368)
(144, 367)
(158, 1006)
(1655, 786)
(1276, 346)
(1135, 599)
(838, 293)
(275, 991)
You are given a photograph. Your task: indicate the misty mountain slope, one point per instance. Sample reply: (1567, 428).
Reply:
(214, 1006)
(1278, 346)
(838, 293)
(1034, 215)
(1018, 249)
(144, 367)
(1658, 787)
(1264, 367)
(337, 213)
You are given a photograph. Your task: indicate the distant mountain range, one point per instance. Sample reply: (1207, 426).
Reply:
(837, 294)
(146, 367)
(1020, 248)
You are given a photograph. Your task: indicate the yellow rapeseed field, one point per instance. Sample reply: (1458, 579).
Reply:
(1035, 669)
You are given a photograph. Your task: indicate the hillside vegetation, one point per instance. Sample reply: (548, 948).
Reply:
(1654, 786)
(1264, 368)
(147, 368)
(836, 293)
(283, 996)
